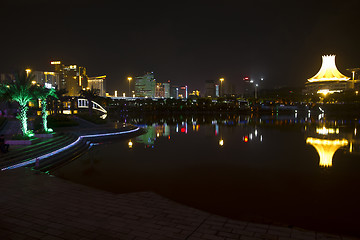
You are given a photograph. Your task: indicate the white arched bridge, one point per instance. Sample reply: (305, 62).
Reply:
(84, 103)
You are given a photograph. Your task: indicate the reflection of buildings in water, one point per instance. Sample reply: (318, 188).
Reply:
(152, 133)
(196, 127)
(326, 149)
(183, 127)
(327, 140)
(354, 142)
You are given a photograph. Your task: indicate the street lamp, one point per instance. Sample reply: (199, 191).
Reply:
(221, 86)
(129, 79)
(28, 71)
(256, 86)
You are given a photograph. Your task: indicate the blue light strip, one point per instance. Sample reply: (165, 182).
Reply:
(66, 147)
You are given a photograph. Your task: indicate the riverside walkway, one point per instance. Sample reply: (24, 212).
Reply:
(40, 206)
(35, 205)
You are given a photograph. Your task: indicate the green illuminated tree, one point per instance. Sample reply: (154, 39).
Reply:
(43, 93)
(20, 91)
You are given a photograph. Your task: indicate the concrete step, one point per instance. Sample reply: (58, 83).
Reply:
(63, 158)
(26, 154)
(28, 150)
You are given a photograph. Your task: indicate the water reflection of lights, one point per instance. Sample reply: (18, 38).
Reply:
(221, 142)
(153, 132)
(183, 128)
(326, 149)
(253, 136)
(326, 131)
(130, 144)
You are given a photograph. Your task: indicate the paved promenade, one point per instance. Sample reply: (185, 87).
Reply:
(39, 206)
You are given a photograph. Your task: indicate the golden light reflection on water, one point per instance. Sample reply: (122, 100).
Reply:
(326, 149)
(130, 144)
(326, 131)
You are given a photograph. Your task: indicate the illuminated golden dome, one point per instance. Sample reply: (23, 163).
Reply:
(326, 149)
(328, 71)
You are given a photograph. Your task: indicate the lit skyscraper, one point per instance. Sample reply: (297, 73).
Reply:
(73, 78)
(48, 79)
(211, 89)
(145, 85)
(98, 83)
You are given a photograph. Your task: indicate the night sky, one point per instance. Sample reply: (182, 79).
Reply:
(186, 42)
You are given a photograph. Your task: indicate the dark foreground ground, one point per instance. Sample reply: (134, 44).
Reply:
(40, 206)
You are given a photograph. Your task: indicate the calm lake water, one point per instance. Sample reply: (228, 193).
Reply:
(286, 170)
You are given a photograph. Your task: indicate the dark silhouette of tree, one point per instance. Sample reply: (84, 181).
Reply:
(90, 95)
(60, 95)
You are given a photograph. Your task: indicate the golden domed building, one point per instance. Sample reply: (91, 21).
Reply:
(329, 79)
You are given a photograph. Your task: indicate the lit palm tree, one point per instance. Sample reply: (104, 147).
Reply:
(90, 95)
(43, 93)
(20, 91)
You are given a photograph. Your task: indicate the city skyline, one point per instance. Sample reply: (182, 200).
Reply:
(187, 44)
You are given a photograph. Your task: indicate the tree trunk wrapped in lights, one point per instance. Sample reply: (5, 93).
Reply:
(22, 116)
(43, 93)
(20, 91)
(44, 114)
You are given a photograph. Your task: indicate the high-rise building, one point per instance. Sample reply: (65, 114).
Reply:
(183, 92)
(58, 68)
(98, 83)
(145, 85)
(211, 89)
(159, 90)
(167, 89)
(162, 90)
(230, 90)
(174, 92)
(47, 79)
(73, 78)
